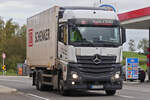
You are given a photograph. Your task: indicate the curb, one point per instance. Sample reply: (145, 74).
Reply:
(4, 89)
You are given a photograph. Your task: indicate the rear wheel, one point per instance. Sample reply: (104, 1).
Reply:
(39, 85)
(110, 92)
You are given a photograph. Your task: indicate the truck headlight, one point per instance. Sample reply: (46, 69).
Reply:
(117, 75)
(75, 76)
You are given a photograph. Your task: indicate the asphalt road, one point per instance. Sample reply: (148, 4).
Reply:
(130, 91)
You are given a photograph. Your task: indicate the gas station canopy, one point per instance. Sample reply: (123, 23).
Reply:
(136, 19)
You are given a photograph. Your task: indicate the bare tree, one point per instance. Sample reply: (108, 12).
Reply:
(131, 45)
(143, 44)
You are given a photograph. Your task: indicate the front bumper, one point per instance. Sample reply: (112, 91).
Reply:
(89, 86)
(100, 80)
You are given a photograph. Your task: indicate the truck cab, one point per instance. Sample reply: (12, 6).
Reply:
(89, 49)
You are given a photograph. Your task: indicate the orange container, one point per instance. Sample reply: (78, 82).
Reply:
(20, 71)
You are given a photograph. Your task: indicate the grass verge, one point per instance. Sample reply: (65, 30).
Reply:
(9, 73)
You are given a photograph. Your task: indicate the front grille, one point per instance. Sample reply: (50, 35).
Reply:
(89, 59)
(88, 68)
(95, 70)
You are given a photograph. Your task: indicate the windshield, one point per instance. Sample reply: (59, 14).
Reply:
(95, 35)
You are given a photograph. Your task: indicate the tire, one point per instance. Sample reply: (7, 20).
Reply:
(61, 89)
(131, 80)
(142, 80)
(110, 92)
(39, 85)
(34, 78)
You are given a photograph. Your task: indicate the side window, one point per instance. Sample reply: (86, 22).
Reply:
(63, 33)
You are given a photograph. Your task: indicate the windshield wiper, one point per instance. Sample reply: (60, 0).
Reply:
(89, 43)
(85, 42)
(108, 43)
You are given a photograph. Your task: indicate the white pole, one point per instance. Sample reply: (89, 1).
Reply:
(3, 61)
(4, 69)
(3, 65)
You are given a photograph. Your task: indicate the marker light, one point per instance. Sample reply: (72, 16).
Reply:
(73, 83)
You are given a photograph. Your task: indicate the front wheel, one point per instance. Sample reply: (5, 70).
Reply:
(110, 92)
(62, 91)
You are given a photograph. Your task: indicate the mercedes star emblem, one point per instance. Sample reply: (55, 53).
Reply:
(97, 59)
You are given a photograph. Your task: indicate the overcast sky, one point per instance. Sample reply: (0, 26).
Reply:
(20, 10)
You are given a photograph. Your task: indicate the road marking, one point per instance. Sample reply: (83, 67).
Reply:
(38, 97)
(14, 81)
(125, 96)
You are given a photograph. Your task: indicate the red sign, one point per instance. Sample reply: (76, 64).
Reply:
(148, 60)
(3, 55)
(30, 37)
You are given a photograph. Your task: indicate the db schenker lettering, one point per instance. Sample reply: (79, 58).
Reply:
(42, 35)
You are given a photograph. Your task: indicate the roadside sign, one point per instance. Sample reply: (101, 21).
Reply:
(132, 68)
(3, 55)
(4, 67)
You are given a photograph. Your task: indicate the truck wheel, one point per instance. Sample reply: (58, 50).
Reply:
(61, 88)
(39, 85)
(142, 80)
(131, 80)
(110, 92)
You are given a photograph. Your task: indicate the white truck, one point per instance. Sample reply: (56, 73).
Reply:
(75, 48)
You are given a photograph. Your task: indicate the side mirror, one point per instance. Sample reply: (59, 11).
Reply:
(59, 33)
(123, 31)
(61, 14)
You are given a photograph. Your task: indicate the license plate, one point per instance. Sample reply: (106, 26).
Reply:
(96, 86)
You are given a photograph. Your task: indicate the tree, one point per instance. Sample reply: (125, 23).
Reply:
(1, 27)
(10, 28)
(12, 42)
(131, 45)
(143, 44)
